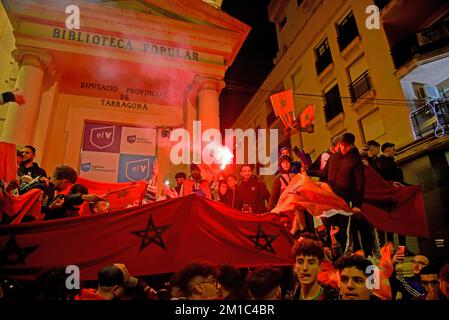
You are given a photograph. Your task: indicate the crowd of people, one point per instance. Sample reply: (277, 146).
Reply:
(346, 242)
(203, 280)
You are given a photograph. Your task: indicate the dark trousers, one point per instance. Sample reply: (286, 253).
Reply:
(389, 237)
(360, 225)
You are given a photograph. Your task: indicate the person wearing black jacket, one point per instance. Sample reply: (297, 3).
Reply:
(28, 167)
(252, 192)
(390, 171)
(53, 205)
(282, 181)
(345, 175)
(232, 197)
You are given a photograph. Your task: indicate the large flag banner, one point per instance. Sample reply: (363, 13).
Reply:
(8, 161)
(391, 209)
(394, 209)
(119, 195)
(152, 239)
(115, 153)
(14, 209)
(283, 105)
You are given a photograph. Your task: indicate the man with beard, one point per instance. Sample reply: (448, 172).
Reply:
(27, 166)
(309, 255)
(196, 184)
(252, 192)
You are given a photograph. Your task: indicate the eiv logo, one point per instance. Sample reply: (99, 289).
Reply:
(131, 139)
(85, 167)
(138, 170)
(102, 137)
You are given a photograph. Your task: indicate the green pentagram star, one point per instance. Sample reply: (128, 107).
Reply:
(268, 239)
(156, 238)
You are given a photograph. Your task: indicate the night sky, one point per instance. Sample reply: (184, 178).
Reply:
(254, 61)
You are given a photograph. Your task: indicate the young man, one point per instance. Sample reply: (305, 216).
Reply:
(196, 184)
(180, 178)
(295, 165)
(369, 155)
(308, 256)
(252, 192)
(197, 280)
(389, 169)
(352, 270)
(430, 281)
(317, 167)
(345, 175)
(282, 181)
(264, 283)
(28, 167)
(112, 281)
(232, 196)
(408, 288)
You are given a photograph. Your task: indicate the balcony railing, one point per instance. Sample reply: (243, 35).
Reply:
(381, 3)
(425, 41)
(323, 61)
(432, 118)
(360, 86)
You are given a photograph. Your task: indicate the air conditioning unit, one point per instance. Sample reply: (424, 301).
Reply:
(428, 93)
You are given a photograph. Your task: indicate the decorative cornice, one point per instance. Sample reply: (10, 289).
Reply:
(41, 59)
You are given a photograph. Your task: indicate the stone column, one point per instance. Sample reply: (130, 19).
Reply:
(35, 75)
(208, 90)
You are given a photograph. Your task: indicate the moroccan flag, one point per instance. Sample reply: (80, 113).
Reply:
(386, 269)
(394, 209)
(16, 208)
(119, 195)
(307, 116)
(317, 198)
(152, 239)
(391, 209)
(8, 162)
(283, 104)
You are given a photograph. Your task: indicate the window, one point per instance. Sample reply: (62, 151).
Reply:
(347, 31)
(360, 86)
(323, 56)
(359, 78)
(334, 105)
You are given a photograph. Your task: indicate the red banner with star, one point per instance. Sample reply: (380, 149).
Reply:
(119, 195)
(284, 106)
(153, 239)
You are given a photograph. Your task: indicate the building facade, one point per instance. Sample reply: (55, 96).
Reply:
(104, 98)
(379, 83)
